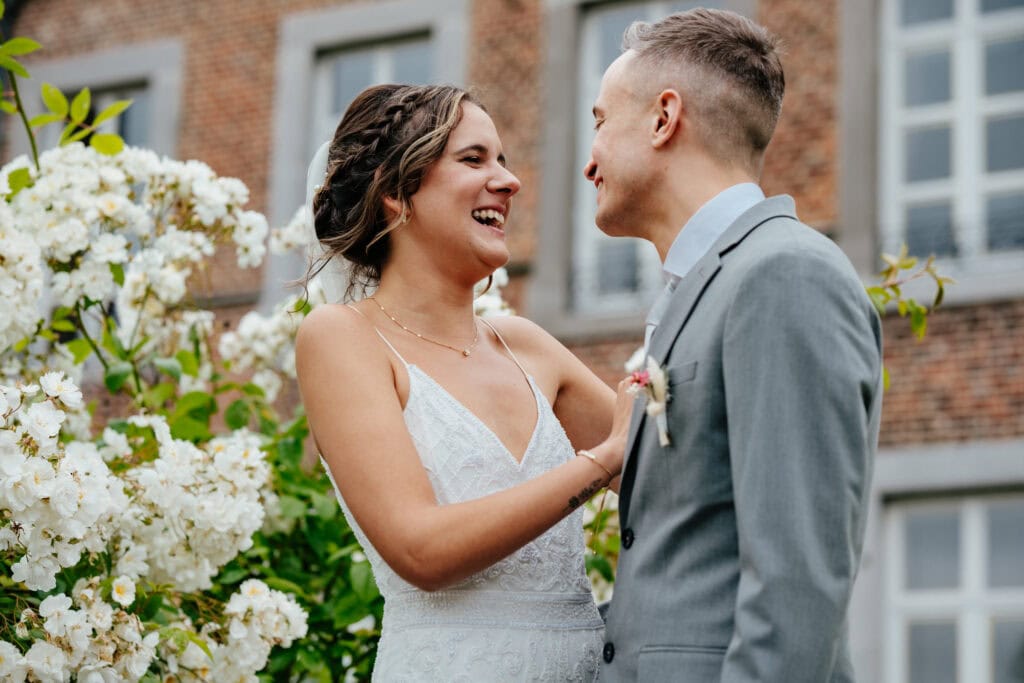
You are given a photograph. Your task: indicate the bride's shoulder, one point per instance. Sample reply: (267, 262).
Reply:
(524, 334)
(333, 324)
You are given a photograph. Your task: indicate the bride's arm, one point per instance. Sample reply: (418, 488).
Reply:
(347, 386)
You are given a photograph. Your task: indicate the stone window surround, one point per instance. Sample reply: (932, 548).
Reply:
(548, 299)
(303, 36)
(859, 65)
(945, 470)
(157, 63)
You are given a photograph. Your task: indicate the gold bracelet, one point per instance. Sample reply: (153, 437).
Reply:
(593, 458)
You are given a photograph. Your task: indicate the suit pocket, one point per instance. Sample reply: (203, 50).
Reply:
(689, 664)
(684, 372)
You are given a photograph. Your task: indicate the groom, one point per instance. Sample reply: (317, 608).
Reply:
(741, 537)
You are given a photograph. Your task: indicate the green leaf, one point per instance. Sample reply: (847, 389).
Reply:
(54, 99)
(284, 585)
(117, 270)
(44, 120)
(189, 364)
(168, 366)
(156, 396)
(111, 111)
(237, 414)
(75, 137)
(64, 325)
(292, 507)
(8, 106)
(19, 46)
(1, 9)
(117, 374)
(18, 180)
(325, 506)
(79, 348)
(361, 579)
(196, 404)
(65, 134)
(189, 429)
(80, 105)
(14, 66)
(940, 293)
(106, 143)
(885, 378)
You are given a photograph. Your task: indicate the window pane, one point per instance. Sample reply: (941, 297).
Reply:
(135, 119)
(1006, 540)
(1004, 66)
(1008, 653)
(1006, 231)
(920, 11)
(928, 154)
(1005, 143)
(353, 72)
(932, 546)
(927, 79)
(932, 653)
(616, 267)
(930, 230)
(611, 25)
(413, 63)
(996, 5)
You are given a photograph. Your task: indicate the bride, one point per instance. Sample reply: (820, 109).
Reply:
(451, 440)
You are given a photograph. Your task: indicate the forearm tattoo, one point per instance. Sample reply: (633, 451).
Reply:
(583, 496)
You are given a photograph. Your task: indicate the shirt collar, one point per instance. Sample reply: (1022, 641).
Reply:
(707, 225)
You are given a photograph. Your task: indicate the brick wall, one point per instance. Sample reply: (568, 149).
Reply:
(963, 382)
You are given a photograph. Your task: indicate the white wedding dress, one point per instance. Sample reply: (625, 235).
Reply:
(529, 617)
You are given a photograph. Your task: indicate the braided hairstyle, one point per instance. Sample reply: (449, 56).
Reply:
(386, 141)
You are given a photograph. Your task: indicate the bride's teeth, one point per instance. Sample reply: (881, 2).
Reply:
(497, 217)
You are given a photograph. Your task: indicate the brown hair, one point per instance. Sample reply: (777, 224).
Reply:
(387, 139)
(729, 68)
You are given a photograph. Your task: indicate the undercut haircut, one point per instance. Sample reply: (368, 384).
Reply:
(727, 68)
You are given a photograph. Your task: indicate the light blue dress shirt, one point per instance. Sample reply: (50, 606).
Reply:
(698, 236)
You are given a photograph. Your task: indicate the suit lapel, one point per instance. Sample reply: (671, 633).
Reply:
(677, 314)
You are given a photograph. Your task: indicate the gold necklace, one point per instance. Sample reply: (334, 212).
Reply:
(464, 351)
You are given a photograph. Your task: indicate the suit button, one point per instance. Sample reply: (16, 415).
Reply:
(609, 652)
(627, 538)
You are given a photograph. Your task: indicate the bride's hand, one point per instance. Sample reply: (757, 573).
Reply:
(621, 419)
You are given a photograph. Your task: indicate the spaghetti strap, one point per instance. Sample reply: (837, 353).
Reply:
(503, 343)
(383, 338)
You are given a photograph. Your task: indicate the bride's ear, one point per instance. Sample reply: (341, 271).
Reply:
(395, 208)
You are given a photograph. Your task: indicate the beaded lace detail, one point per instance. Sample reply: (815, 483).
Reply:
(530, 616)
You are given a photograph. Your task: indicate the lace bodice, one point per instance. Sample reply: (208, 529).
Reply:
(530, 616)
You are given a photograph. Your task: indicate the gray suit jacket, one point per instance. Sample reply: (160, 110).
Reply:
(741, 539)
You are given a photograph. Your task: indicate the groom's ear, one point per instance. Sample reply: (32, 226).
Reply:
(668, 118)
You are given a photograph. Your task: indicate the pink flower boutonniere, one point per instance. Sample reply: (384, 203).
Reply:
(653, 382)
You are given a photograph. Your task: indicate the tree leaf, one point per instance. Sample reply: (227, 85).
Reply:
(8, 106)
(117, 374)
(19, 46)
(361, 579)
(14, 66)
(80, 105)
(54, 99)
(189, 429)
(66, 134)
(63, 325)
(111, 111)
(80, 349)
(44, 119)
(18, 180)
(237, 414)
(168, 366)
(107, 143)
(189, 364)
(117, 270)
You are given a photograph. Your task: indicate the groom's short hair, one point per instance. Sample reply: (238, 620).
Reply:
(728, 69)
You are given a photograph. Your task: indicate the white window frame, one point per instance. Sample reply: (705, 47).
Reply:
(156, 64)
(980, 274)
(567, 135)
(305, 35)
(971, 605)
(936, 471)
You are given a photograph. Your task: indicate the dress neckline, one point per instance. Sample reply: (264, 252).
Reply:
(461, 407)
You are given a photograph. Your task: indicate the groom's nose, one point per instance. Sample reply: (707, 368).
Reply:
(590, 170)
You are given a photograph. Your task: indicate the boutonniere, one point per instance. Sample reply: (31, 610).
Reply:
(652, 381)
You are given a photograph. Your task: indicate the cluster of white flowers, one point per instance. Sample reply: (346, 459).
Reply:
(89, 219)
(95, 642)
(58, 501)
(192, 509)
(257, 619)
